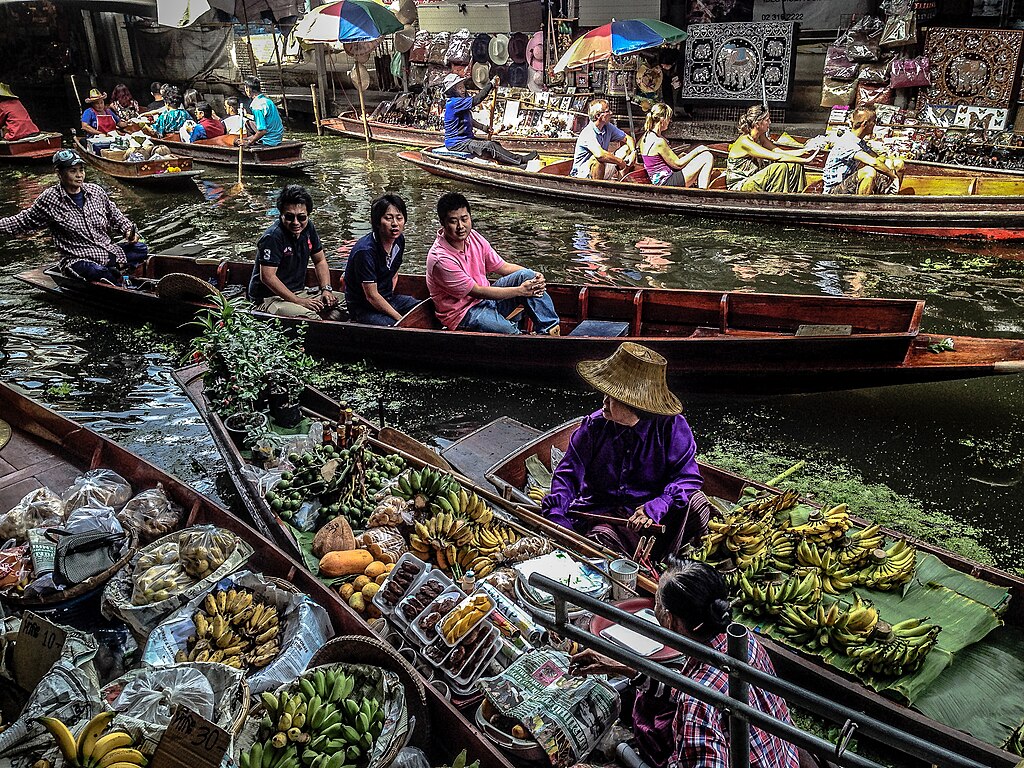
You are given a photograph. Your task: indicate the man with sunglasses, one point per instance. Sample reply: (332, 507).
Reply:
(81, 218)
(594, 157)
(278, 283)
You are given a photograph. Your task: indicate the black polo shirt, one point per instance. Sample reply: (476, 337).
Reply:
(369, 264)
(277, 248)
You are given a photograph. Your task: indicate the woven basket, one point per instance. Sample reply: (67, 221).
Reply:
(366, 649)
(178, 285)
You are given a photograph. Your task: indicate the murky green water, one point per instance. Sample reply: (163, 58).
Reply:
(928, 441)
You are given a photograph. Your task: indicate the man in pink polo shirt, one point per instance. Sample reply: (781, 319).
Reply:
(457, 266)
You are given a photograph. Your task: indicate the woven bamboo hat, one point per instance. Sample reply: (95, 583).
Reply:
(634, 375)
(95, 95)
(6, 92)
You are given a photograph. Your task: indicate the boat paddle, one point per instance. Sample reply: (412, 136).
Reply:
(490, 122)
(238, 186)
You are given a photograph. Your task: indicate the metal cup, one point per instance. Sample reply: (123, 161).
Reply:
(623, 574)
(442, 688)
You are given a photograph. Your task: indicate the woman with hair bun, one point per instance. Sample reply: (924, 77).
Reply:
(664, 166)
(757, 164)
(672, 728)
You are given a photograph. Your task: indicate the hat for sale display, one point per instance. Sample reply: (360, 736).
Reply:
(481, 74)
(497, 49)
(517, 47)
(480, 43)
(535, 51)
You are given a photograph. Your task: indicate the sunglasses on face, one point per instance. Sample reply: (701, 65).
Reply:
(299, 217)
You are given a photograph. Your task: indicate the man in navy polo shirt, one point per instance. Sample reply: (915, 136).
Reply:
(372, 270)
(278, 283)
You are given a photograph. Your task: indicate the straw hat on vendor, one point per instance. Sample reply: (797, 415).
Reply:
(95, 96)
(6, 92)
(450, 82)
(634, 376)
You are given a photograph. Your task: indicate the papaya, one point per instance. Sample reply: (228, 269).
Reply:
(345, 563)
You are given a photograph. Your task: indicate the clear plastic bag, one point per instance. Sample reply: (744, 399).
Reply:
(159, 582)
(92, 517)
(150, 695)
(159, 555)
(151, 513)
(203, 549)
(101, 486)
(41, 508)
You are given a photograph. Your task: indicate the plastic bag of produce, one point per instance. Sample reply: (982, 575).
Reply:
(41, 508)
(159, 582)
(203, 549)
(92, 517)
(15, 568)
(117, 597)
(151, 513)
(102, 486)
(301, 625)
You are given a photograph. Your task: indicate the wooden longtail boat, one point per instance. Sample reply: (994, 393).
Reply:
(509, 477)
(47, 449)
(32, 149)
(154, 173)
(285, 158)
(927, 206)
(722, 340)
(350, 125)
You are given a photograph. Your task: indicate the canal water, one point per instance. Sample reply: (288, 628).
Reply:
(954, 450)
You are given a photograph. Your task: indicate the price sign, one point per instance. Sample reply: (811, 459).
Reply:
(39, 645)
(190, 741)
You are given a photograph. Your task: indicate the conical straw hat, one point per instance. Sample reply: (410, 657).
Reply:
(634, 375)
(6, 92)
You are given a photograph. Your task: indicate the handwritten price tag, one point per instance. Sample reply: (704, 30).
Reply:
(190, 741)
(39, 645)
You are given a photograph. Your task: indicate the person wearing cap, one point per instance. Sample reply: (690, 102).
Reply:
(635, 459)
(594, 157)
(98, 118)
(15, 122)
(81, 218)
(265, 117)
(459, 123)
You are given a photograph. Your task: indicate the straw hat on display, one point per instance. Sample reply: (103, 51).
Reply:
(634, 375)
(95, 95)
(535, 80)
(481, 74)
(451, 80)
(497, 49)
(6, 92)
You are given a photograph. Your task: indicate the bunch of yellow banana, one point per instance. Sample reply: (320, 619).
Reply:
(709, 547)
(834, 578)
(856, 625)
(235, 628)
(464, 617)
(899, 651)
(770, 503)
(445, 528)
(890, 568)
(769, 598)
(457, 501)
(537, 494)
(824, 527)
(777, 552)
(853, 547)
(93, 748)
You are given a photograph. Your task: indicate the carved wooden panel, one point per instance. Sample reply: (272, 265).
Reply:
(973, 66)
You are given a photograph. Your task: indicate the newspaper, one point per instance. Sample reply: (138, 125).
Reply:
(567, 715)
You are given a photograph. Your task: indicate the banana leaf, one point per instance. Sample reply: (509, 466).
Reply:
(982, 692)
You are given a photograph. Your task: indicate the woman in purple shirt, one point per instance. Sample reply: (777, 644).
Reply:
(635, 459)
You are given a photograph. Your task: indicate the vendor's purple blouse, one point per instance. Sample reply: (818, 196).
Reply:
(612, 469)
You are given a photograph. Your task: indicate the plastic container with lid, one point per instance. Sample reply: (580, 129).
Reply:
(427, 636)
(407, 609)
(407, 563)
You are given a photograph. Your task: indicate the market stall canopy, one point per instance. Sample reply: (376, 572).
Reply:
(619, 38)
(347, 21)
(182, 13)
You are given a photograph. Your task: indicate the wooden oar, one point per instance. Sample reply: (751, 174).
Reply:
(621, 522)
(413, 447)
(490, 122)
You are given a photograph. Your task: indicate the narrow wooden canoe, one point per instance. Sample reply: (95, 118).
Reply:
(47, 449)
(717, 340)
(509, 476)
(927, 206)
(32, 149)
(350, 125)
(153, 173)
(285, 158)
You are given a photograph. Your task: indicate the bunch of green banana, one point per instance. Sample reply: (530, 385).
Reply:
(777, 552)
(235, 628)
(422, 486)
(770, 598)
(769, 504)
(708, 548)
(93, 748)
(854, 547)
(890, 568)
(468, 506)
(460, 762)
(897, 652)
(834, 578)
(824, 527)
(810, 627)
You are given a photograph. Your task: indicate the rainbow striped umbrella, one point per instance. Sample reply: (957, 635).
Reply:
(347, 21)
(618, 39)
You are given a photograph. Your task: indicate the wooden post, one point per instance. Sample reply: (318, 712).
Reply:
(321, 75)
(241, 149)
(280, 70)
(316, 111)
(362, 107)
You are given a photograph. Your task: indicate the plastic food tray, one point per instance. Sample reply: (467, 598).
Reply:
(418, 631)
(465, 679)
(378, 598)
(472, 626)
(432, 575)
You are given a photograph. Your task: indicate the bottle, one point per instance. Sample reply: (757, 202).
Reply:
(329, 438)
(468, 581)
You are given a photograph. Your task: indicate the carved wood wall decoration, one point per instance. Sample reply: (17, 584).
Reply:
(728, 62)
(973, 66)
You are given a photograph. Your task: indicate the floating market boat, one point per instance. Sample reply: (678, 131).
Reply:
(941, 711)
(721, 340)
(285, 158)
(951, 207)
(41, 448)
(155, 172)
(31, 149)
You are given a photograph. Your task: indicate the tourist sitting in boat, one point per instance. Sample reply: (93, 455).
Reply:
(371, 273)
(278, 282)
(673, 728)
(269, 130)
(234, 122)
(170, 121)
(664, 167)
(457, 266)
(158, 98)
(757, 164)
(853, 168)
(98, 118)
(80, 218)
(189, 102)
(603, 150)
(15, 123)
(633, 462)
(123, 105)
(459, 123)
(206, 127)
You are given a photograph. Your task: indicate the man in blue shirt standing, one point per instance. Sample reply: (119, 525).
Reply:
(594, 157)
(269, 128)
(458, 123)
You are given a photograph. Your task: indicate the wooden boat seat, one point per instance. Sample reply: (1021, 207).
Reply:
(421, 316)
(561, 168)
(938, 185)
(639, 176)
(603, 328)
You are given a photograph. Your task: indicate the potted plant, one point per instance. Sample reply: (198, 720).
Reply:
(282, 389)
(246, 427)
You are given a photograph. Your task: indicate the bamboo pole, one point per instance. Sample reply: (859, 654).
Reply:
(362, 109)
(791, 471)
(490, 122)
(316, 111)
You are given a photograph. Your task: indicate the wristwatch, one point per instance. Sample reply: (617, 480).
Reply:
(326, 288)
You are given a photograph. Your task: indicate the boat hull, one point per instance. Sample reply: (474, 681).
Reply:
(285, 158)
(32, 149)
(151, 173)
(958, 216)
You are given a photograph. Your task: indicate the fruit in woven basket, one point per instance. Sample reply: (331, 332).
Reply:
(347, 563)
(336, 536)
(236, 628)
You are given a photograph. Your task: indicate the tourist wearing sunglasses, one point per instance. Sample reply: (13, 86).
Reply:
(278, 283)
